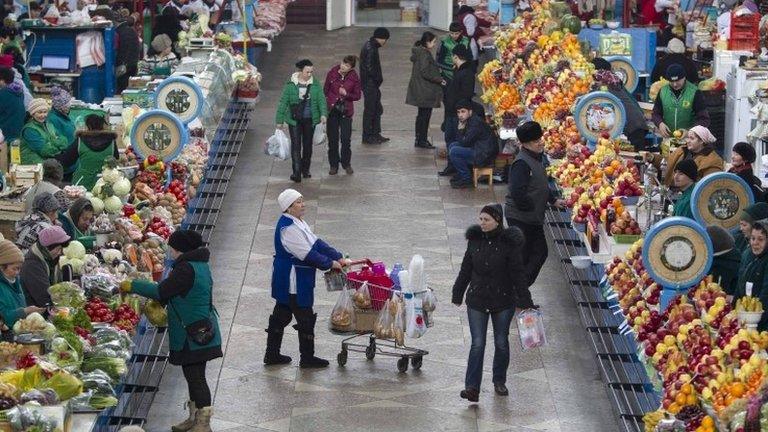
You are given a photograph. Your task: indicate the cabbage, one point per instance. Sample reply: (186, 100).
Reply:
(111, 255)
(75, 249)
(97, 187)
(110, 175)
(76, 263)
(113, 205)
(97, 203)
(122, 187)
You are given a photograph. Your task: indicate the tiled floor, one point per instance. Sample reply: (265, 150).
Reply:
(392, 207)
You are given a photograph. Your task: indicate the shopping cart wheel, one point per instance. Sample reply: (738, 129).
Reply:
(402, 364)
(416, 362)
(370, 351)
(342, 358)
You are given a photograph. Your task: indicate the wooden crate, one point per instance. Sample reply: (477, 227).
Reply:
(25, 175)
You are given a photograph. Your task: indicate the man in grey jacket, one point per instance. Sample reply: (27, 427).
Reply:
(529, 194)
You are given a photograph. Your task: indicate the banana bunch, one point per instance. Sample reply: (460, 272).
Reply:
(7, 390)
(651, 419)
(749, 304)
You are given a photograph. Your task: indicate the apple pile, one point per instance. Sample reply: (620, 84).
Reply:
(159, 227)
(628, 187)
(625, 224)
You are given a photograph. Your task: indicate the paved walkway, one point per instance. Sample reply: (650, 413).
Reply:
(394, 206)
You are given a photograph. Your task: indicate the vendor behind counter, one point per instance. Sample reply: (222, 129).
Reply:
(77, 222)
(636, 127)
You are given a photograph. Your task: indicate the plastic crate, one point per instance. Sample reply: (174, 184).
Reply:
(752, 44)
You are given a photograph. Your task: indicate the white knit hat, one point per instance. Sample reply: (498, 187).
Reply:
(38, 104)
(287, 198)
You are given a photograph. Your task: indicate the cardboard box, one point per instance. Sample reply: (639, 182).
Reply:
(365, 319)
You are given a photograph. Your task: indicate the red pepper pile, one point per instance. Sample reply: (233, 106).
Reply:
(125, 318)
(98, 311)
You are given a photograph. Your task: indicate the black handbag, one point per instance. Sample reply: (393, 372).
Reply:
(297, 110)
(201, 331)
(340, 106)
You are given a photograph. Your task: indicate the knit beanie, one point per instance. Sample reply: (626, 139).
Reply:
(38, 104)
(746, 151)
(675, 71)
(287, 198)
(161, 42)
(53, 236)
(60, 99)
(495, 211)
(185, 240)
(462, 52)
(755, 212)
(45, 202)
(10, 253)
(722, 240)
(689, 168)
(381, 33)
(528, 132)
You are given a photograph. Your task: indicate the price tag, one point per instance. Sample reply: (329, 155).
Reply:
(749, 289)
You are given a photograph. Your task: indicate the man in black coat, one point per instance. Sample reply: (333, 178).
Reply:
(128, 52)
(371, 78)
(470, 143)
(462, 86)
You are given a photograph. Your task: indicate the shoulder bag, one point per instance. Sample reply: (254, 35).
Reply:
(201, 331)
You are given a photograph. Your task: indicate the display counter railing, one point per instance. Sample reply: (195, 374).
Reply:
(629, 387)
(139, 386)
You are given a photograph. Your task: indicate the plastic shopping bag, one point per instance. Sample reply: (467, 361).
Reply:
(415, 324)
(319, 137)
(362, 297)
(530, 326)
(343, 313)
(382, 329)
(429, 301)
(278, 145)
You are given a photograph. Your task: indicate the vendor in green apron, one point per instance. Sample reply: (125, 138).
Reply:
(680, 105)
(162, 61)
(77, 220)
(58, 116)
(685, 177)
(91, 148)
(39, 138)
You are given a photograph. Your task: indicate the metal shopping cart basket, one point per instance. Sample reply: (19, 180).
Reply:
(375, 345)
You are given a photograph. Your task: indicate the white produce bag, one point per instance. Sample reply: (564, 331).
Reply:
(415, 326)
(319, 137)
(278, 145)
(530, 327)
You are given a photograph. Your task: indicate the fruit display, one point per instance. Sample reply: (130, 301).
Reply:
(749, 304)
(558, 140)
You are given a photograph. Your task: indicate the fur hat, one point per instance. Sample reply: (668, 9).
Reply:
(722, 240)
(528, 132)
(746, 151)
(689, 168)
(185, 240)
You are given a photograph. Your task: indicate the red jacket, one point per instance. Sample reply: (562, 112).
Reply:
(351, 83)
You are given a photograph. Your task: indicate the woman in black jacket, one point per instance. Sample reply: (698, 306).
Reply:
(742, 157)
(493, 270)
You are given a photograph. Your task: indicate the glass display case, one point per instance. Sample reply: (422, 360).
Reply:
(215, 80)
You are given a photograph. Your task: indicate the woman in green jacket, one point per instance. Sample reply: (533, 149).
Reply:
(188, 294)
(302, 106)
(753, 272)
(40, 140)
(77, 220)
(13, 307)
(684, 179)
(749, 216)
(89, 151)
(58, 116)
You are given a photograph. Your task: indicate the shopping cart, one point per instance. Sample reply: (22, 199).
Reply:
(375, 345)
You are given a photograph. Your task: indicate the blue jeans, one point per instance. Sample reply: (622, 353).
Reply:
(478, 327)
(461, 158)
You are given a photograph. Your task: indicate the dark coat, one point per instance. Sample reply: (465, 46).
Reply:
(462, 86)
(754, 183)
(351, 83)
(424, 88)
(725, 269)
(493, 269)
(476, 135)
(754, 269)
(129, 50)
(370, 64)
(37, 274)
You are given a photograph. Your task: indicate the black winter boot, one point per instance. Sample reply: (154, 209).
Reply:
(307, 345)
(274, 340)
